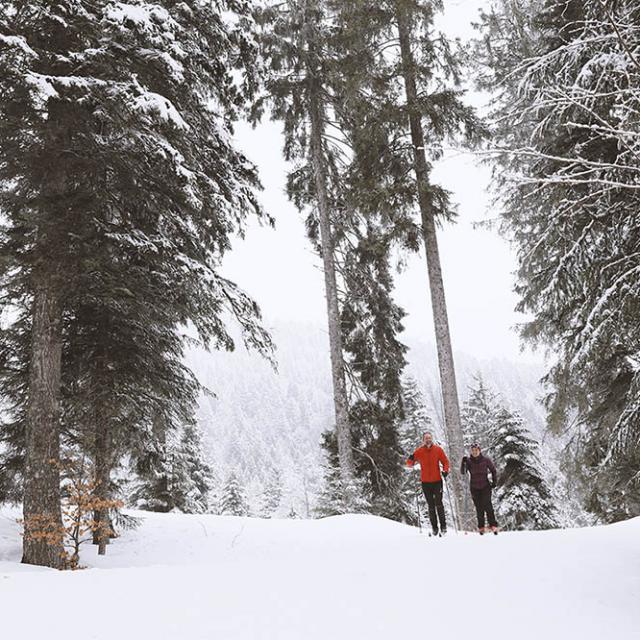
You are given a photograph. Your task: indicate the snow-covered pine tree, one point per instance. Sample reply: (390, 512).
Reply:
(232, 498)
(415, 423)
(329, 501)
(110, 90)
(416, 419)
(568, 79)
(37, 187)
(191, 478)
(215, 492)
(371, 322)
(434, 110)
(364, 226)
(152, 469)
(173, 474)
(396, 94)
(294, 38)
(376, 222)
(522, 498)
(333, 500)
(479, 414)
(272, 495)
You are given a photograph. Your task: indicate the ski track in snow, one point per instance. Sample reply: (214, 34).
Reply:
(197, 577)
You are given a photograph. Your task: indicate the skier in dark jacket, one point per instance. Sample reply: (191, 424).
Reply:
(479, 467)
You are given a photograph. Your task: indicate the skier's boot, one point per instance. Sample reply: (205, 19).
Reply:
(481, 531)
(495, 530)
(443, 532)
(434, 534)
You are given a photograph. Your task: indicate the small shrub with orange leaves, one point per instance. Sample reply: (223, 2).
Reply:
(80, 504)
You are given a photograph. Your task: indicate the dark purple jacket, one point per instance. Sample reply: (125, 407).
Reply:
(478, 469)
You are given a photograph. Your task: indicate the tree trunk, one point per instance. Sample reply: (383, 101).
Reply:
(43, 533)
(345, 452)
(102, 463)
(443, 338)
(101, 441)
(163, 499)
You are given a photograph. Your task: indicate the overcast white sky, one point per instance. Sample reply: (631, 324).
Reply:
(278, 268)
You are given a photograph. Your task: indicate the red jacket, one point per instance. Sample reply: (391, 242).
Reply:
(429, 460)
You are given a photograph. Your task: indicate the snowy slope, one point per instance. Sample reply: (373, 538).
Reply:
(196, 577)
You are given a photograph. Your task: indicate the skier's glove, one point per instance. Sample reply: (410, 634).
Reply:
(493, 485)
(445, 473)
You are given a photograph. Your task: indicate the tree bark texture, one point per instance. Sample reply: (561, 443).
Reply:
(448, 384)
(102, 466)
(43, 533)
(345, 452)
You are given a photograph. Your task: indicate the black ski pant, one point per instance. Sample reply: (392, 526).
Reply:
(482, 502)
(433, 493)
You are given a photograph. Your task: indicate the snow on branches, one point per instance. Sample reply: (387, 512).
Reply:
(566, 76)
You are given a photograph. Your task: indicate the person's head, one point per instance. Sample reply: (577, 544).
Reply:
(427, 439)
(475, 449)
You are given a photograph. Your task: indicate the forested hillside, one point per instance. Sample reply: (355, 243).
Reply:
(261, 420)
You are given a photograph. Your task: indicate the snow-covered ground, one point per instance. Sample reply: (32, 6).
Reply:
(222, 578)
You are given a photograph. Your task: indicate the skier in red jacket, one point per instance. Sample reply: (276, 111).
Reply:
(430, 456)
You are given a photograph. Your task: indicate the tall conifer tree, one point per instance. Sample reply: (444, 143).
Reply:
(113, 161)
(404, 86)
(568, 79)
(295, 41)
(523, 498)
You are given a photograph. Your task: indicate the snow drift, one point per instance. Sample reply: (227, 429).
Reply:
(210, 577)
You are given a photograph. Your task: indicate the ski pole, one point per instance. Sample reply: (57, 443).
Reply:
(465, 521)
(418, 509)
(453, 513)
